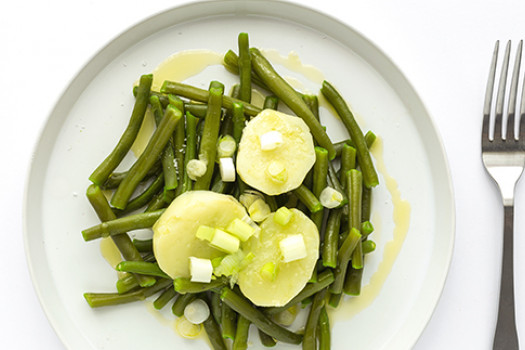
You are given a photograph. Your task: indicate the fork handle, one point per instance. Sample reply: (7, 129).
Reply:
(506, 337)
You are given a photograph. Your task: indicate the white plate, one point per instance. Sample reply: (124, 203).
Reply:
(92, 112)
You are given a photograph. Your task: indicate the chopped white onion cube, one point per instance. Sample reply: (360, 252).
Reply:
(197, 311)
(271, 140)
(293, 248)
(196, 168)
(200, 270)
(227, 169)
(330, 197)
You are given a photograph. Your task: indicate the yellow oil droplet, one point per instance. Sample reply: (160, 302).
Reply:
(401, 218)
(293, 63)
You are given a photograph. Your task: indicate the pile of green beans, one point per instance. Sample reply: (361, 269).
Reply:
(189, 123)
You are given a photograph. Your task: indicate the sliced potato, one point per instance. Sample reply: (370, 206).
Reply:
(174, 238)
(292, 276)
(282, 168)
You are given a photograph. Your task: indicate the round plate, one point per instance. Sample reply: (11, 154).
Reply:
(92, 112)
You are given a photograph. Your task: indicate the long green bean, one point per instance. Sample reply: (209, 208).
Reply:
(355, 190)
(191, 149)
(323, 331)
(320, 178)
(245, 68)
(228, 322)
(145, 197)
(289, 96)
(365, 160)
(308, 198)
(352, 285)
(246, 309)
(179, 136)
(231, 62)
(164, 298)
(310, 332)
(331, 238)
(214, 333)
(141, 267)
(184, 285)
(121, 225)
(181, 302)
(345, 253)
(201, 95)
(102, 172)
(155, 146)
(210, 134)
(241, 336)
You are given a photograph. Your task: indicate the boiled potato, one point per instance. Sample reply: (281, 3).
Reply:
(174, 238)
(280, 164)
(291, 277)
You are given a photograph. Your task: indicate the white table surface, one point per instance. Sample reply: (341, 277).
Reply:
(442, 46)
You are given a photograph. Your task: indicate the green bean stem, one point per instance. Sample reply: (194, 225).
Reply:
(246, 309)
(352, 285)
(365, 160)
(102, 172)
(271, 102)
(290, 97)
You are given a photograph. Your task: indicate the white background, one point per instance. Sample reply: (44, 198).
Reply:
(442, 46)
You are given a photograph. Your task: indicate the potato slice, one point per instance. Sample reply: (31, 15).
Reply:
(282, 168)
(292, 276)
(174, 238)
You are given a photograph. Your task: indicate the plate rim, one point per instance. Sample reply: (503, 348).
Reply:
(243, 8)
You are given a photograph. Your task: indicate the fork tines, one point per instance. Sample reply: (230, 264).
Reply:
(499, 132)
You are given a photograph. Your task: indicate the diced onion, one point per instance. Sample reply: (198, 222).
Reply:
(293, 248)
(197, 311)
(271, 140)
(330, 197)
(227, 169)
(282, 216)
(240, 229)
(200, 270)
(277, 172)
(196, 168)
(205, 233)
(225, 242)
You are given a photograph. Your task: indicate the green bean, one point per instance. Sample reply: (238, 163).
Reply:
(191, 149)
(366, 204)
(231, 62)
(107, 299)
(241, 336)
(122, 241)
(145, 197)
(313, 103)
(245, 68)
(348, 162)
(310, 332)
(352, 285)
(335, 299)
(266, 340)
(355, 190)
(199, 110)
(271, 102)
(243, 307)
(181, 302)
(143, 245)
(127, 283)
(155, 146)
(228, 322)
(179, 137)
(239, 121)
(214, 334)
(320, 173)
(210, 134)
(339, 146)
(323, 331)
(164, 298)
(158, 202)
(102, 172)
(370, 177)
(289, 96)
(308, 198)
(201, 95)
(345, 253)
(141, 267)
(331, 238)
(324, 279)
(184, 285)
(216, 306)
(122, 225)
(167, 157)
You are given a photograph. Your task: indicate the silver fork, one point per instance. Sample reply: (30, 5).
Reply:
(503, 154)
